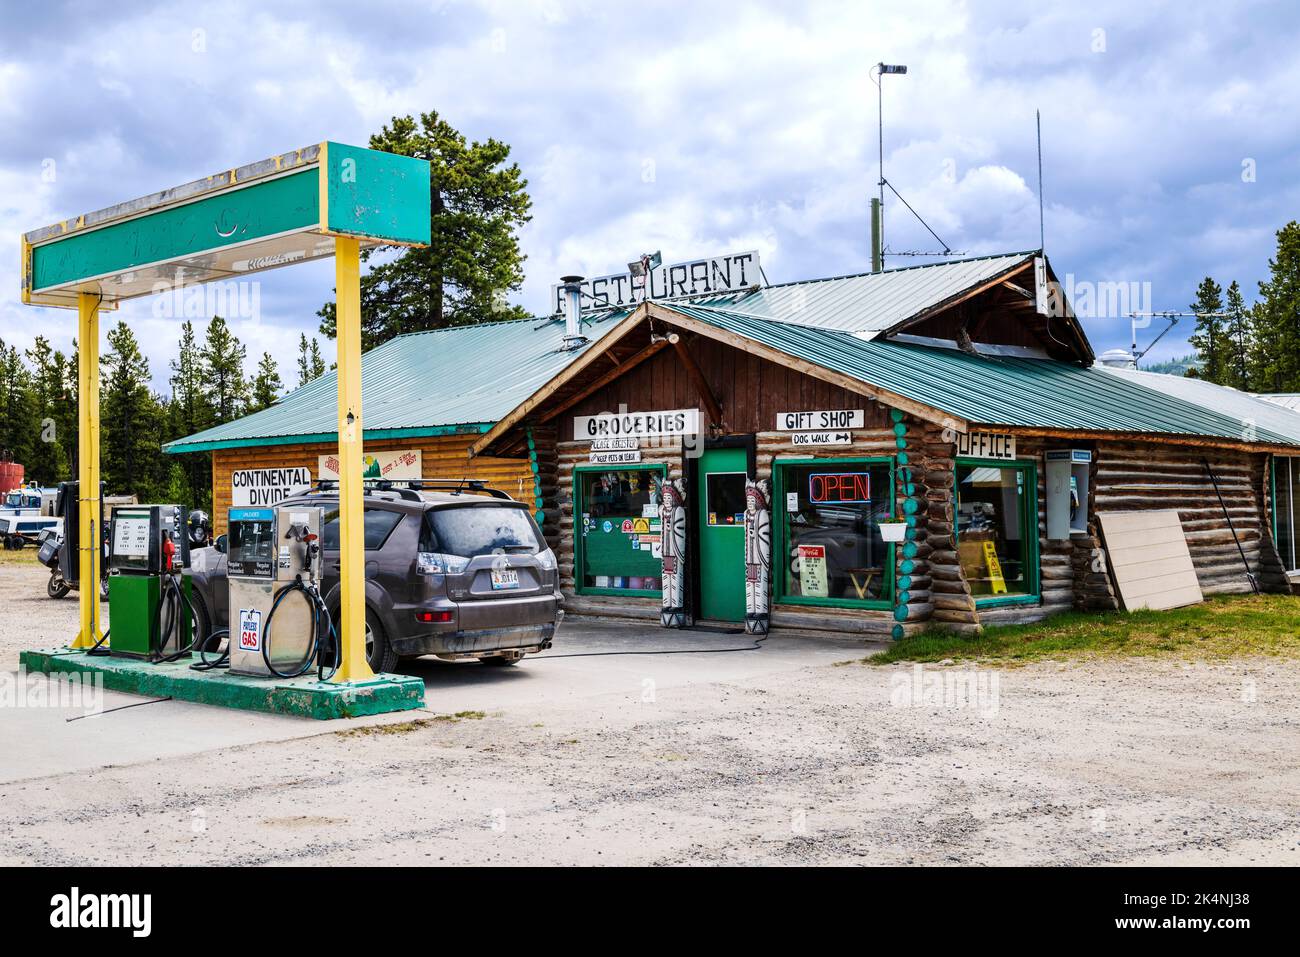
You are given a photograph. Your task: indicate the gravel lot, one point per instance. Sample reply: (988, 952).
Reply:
(1134, 761)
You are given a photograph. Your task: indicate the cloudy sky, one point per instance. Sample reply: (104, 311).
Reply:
(1169, 130)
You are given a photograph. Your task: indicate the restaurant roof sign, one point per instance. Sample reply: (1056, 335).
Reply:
(730, 273)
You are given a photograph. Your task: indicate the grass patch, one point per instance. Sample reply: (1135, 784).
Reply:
(1219, 628)
(22, 556)
(461, 716)
(401, 727)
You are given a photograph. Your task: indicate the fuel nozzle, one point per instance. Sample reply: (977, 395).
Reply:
(301, 533)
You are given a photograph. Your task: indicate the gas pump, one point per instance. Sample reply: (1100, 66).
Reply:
(148, 597)
(279, 625)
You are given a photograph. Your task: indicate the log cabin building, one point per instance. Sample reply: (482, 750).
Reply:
(873, 454)
(883, 453)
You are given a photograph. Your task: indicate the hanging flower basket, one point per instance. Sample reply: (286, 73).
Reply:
(893, 531)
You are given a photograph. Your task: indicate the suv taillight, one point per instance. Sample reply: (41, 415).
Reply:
(436, 563)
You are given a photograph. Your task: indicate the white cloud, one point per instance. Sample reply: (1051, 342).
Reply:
(758, 123)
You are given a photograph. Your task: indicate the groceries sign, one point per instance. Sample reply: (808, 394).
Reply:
(719, 274)
(636, 424)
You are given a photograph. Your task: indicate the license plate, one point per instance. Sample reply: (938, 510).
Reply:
(505, 578)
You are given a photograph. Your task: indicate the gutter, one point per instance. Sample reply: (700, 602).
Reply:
(182, 446)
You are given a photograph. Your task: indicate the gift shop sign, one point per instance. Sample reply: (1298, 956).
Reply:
(830, 420)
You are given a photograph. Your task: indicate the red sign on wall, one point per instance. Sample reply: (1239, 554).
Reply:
(839, 488)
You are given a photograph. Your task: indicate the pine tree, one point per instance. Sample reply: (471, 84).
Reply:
(1276, 318)
(188, 413)
(19, 429)
(266, 387)
(48, 463)
(310, 364)
(69, 419)
(130, 419)
(1208, 339)
(477, 205)
(1237, 334)
(222, 363)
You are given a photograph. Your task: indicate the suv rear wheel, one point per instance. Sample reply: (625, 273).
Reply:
(379, 653)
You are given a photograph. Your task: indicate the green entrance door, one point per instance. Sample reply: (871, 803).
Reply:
(720, 517)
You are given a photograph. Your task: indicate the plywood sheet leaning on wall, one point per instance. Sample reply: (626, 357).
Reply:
(1150, 560)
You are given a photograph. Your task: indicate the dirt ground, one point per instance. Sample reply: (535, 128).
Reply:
(765, 757)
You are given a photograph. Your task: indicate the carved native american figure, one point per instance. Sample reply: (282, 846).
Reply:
(758, 555)
(672, 518)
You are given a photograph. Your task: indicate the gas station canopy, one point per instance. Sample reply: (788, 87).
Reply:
(276, 212)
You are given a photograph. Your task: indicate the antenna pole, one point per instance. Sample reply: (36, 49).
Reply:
(1038, 124)
(880, 140)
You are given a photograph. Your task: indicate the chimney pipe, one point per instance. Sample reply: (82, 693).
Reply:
(572, 289)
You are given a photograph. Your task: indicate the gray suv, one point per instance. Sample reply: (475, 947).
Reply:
(457, 574)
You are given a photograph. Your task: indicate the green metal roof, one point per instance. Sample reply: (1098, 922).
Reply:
(459, 379)
(992, 390)
(465, 378)
(869, 303)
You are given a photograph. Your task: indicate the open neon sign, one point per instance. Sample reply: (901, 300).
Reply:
(839, 488)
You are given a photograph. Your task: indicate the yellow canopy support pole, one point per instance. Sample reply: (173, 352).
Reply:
(90, 534)
(352, 558)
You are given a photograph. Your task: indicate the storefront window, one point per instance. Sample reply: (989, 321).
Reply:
(997, 530)
(617, 530)
(1286, 509)
(831, 550)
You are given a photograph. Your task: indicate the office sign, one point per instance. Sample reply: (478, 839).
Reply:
(821, 438)
(256, 487)
(837, 419)
(719, 274)
(636, 424)
(986, 445)
(401, 464)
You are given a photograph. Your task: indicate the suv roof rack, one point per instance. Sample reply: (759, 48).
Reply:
(410, 489)
(473, 485)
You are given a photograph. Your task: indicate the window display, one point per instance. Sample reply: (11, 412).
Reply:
(829, 512)
(619, 534)
(996, 536)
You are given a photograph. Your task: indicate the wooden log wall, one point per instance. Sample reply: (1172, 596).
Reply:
(548, 473)
(1134, 476)
(441, 457)
(954, 606)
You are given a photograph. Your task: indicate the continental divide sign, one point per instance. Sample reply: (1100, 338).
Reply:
(253, 487)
